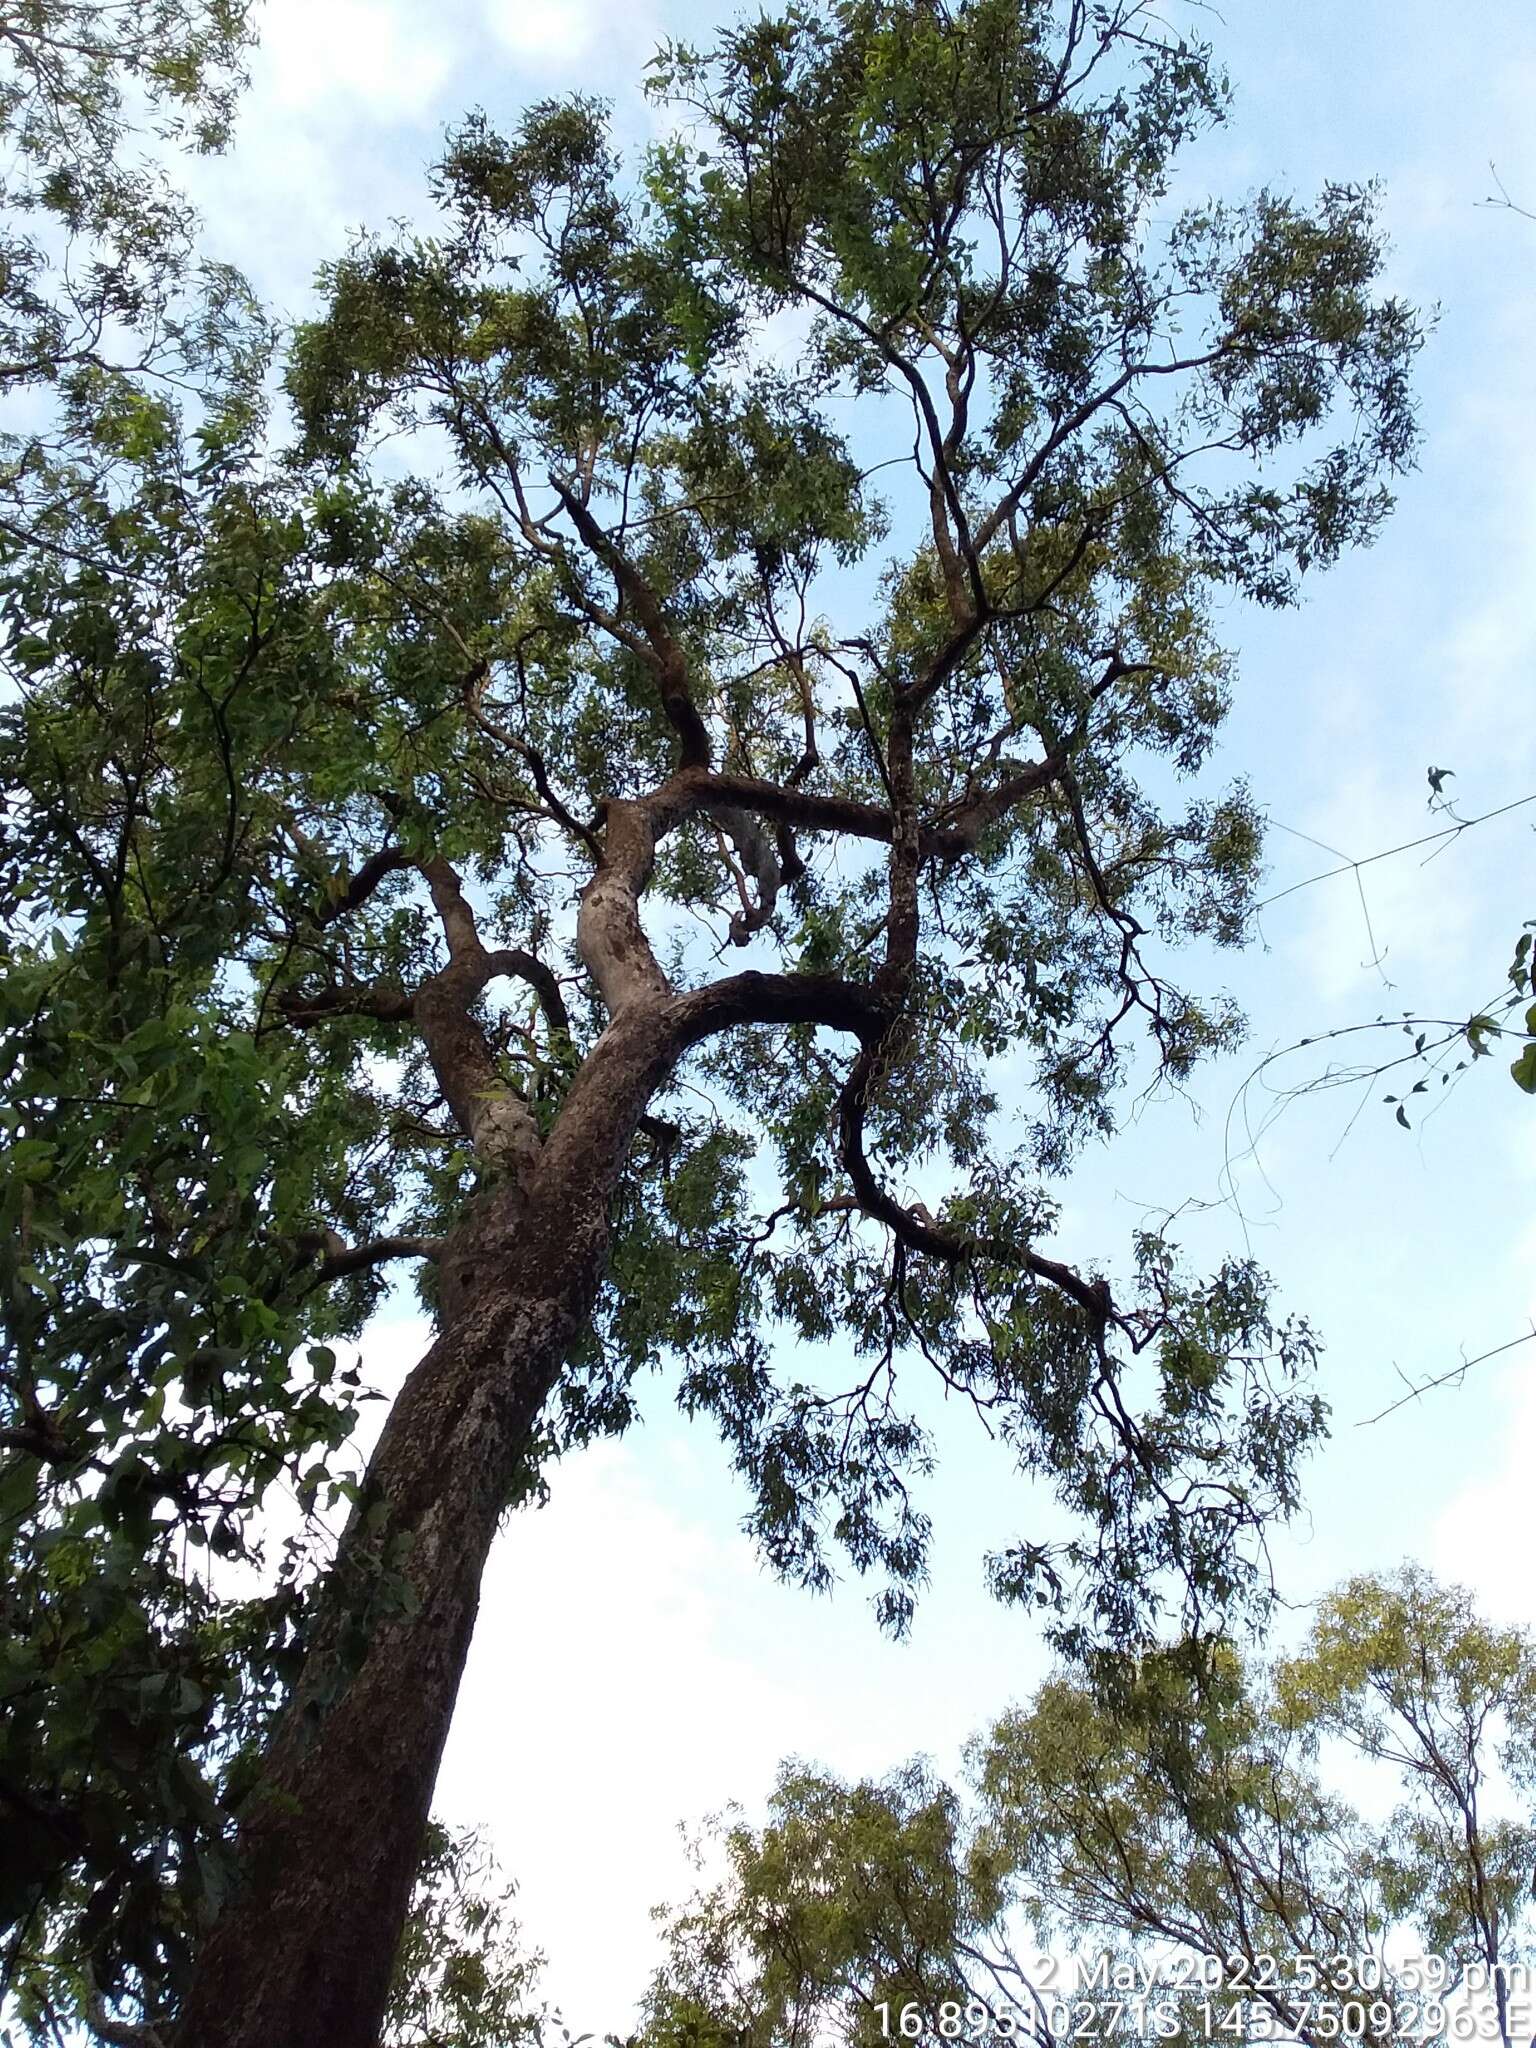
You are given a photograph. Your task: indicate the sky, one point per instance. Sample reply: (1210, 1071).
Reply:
(635, 1668)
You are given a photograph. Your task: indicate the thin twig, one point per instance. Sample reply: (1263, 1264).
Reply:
(1444, 1378)
(1390, 852)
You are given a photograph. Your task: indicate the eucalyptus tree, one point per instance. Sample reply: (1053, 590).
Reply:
(683, 882)
(1172, 1865)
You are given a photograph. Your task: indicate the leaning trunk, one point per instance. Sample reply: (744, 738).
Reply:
(302, 1953)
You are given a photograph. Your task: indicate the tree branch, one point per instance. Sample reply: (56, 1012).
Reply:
(497, 1122)
(340, 1260)
(922, 1234)
(361, 886)
(754, 998)
(391, 1005)
(525, 966)
(667, 657)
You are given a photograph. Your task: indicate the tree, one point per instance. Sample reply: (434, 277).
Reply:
(1184, 1834)
(100, 282)
(372, 850)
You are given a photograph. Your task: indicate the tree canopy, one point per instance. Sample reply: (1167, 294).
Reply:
(1185, 1846)
(663, 804)
(101, 278)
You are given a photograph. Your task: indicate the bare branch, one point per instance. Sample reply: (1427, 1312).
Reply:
(359, 887)
(390, 1005)
(341, 1260)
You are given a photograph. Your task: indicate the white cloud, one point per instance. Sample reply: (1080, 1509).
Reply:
(542, 33)
(636, 1669)
(390, 60)
(602, 1706)
(1482, 1539)
(345, 100)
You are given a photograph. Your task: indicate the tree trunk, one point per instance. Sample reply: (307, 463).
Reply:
(302, 1953)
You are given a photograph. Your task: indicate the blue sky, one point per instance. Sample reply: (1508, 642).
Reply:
(634, 1667)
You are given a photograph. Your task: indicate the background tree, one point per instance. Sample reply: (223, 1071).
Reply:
(100, 278)
(1190, 1820)
(371, 855)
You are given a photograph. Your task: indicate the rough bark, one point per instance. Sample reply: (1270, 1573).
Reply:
(302, 1953)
